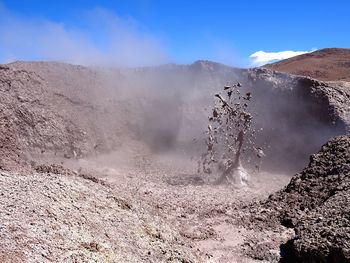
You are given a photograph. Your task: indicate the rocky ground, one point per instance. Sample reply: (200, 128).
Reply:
(61, 218)
(146, 208)
(315, 204)
(149, 210)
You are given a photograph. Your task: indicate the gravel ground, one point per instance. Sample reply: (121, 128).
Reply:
(210, 217)
(62, 218)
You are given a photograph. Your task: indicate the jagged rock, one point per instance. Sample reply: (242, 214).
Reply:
(316, 204)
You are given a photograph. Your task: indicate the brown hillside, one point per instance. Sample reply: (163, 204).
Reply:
(324, 64)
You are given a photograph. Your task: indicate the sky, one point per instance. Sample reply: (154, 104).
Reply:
(151, 32)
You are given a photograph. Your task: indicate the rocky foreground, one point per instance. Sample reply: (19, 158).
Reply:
(316, 204)
(47, 217)
(154, 213)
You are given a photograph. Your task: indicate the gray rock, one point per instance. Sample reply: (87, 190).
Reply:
(316, 204)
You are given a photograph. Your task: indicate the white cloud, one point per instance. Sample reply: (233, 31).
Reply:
(260, 58)
(103, 38)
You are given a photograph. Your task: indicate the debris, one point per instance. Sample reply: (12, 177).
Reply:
(230, 135)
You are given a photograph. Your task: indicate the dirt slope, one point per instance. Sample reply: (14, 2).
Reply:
(329, 64)
(59, 110)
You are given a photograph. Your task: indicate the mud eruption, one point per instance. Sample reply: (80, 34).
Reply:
(230, 137)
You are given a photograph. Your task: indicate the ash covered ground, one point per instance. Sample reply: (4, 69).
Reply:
(100, 165)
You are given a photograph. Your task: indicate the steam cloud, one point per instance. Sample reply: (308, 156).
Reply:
(102, 39)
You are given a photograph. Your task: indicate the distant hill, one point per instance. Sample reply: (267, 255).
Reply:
(325, 64)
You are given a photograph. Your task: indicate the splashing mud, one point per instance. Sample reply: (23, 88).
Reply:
(231, 138)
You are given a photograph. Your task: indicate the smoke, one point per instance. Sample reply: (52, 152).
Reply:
(162, 106)
(167, 105)
(177, 100)
(102, 38)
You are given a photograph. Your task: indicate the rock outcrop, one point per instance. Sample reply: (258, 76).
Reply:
(316, 204)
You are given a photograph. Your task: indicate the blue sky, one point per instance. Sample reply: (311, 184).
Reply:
(142, 32)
